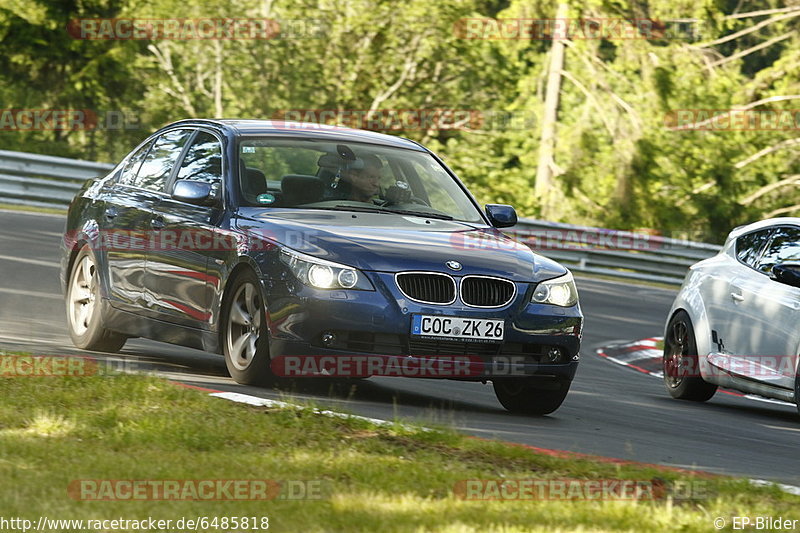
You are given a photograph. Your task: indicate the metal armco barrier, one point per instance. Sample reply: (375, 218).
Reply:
(46, 181)
(615, 253)
(43, 180)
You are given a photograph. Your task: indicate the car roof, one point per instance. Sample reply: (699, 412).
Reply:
(304, 130)
(754, 226)
(766, 223)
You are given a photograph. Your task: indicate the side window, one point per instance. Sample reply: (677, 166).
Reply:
(158, 164)
(128, 175)
(784, 246)
(203, 161)
(748, 247)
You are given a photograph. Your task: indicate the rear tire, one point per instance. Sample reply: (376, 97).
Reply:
(531, 396)
(83, 298)
(245, 336)
(681, 363)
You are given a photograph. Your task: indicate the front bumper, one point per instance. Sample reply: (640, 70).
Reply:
(356, 329)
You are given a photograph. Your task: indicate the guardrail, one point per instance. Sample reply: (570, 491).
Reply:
(43, 180)
(615, 253)
(47, 181)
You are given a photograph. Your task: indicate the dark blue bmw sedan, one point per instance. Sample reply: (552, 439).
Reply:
(305, 250)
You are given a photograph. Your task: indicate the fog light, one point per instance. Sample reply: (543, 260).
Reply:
(328, 339)
(553, 354)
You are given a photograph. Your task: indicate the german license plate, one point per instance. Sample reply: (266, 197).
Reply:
(453, 327)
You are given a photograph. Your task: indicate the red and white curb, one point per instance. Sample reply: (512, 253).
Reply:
(645, 356)
(257, 401)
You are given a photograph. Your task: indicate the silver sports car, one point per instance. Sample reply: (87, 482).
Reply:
(734, 322)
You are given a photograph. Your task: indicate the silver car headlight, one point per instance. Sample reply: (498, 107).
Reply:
(322, 274)
(559, 291)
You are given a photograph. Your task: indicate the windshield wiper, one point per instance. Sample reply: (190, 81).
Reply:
(384, 211)
(356, 208)
(440, 216)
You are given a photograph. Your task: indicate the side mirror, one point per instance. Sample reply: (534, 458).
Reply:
(787, 273)
(194, 192)
(500, 215)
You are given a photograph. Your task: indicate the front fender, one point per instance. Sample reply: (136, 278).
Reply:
(690, 300)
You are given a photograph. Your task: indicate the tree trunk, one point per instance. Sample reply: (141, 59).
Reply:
(544, 173)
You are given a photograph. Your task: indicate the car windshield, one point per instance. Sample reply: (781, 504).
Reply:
(311, 174)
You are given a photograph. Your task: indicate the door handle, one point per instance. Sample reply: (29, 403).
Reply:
(111, 213)
(158, 223)
(737, 297)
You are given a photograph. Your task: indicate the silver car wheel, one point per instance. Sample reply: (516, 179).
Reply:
(82, 291)
(674, 361)
(244, 326)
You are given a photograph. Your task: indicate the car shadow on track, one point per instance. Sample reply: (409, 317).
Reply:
(773, 412)
(364, 390)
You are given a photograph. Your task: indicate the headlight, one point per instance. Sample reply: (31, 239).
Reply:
(322, 274)
(559, 291)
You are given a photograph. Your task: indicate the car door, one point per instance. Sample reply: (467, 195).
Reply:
(735, 336)
(129, 214)
(770, 313)
(722, 299)
(177, 280)
(125, 214)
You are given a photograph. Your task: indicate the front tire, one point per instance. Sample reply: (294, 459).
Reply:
(797, 392)
(83, 307)
(681, 363)
(245, 338)
(530, 396)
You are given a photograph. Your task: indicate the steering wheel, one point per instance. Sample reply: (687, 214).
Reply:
(401, 194)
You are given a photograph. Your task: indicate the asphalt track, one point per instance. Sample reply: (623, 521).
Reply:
(611, 410)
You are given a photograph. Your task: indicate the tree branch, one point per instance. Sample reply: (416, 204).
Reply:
(779, 98)
(791, 180)
(748, 30)
(781, 211)
(762, 12)
(766, 151)
(591, 99)
(164, 58)
(739, 55)
(409, 68)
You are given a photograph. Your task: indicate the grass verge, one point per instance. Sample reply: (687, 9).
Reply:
(56, 430)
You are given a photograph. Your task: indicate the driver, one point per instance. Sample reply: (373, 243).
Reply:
(365, 182)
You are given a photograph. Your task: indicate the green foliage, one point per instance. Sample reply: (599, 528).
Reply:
(618, 162)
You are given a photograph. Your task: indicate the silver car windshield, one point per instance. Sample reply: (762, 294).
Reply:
(311, 174)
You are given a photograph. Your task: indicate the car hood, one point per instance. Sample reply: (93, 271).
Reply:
(397, 243)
